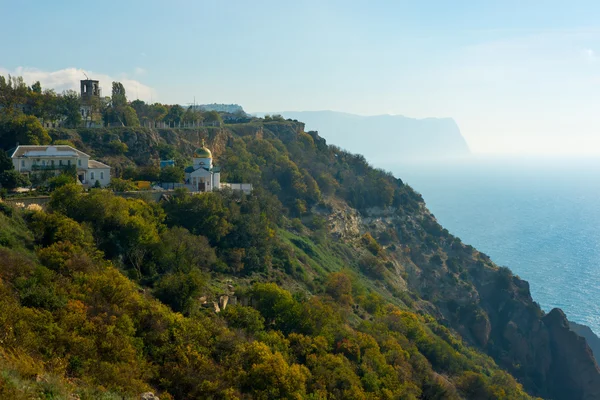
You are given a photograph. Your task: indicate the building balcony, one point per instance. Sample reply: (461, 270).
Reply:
(49, 167)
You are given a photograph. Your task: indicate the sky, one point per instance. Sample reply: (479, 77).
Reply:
(518, 76)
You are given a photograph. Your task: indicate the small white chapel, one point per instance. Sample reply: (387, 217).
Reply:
(203, 176)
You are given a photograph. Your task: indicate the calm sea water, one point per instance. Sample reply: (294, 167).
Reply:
(540, 218)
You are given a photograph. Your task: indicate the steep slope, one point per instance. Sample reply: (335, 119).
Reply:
(592, 339)
(330, 211)
(386, 138)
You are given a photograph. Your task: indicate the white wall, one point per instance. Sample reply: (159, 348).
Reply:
(99, 174)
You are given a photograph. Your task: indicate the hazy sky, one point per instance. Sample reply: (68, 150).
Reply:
(518, 76)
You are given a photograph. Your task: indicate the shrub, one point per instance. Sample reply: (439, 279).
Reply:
(12, 179)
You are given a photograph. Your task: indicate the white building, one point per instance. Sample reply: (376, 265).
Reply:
(30, 160)
(203, 176)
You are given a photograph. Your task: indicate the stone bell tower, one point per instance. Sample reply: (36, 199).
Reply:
(89, 89)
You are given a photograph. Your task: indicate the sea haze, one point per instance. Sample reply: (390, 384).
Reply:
(539, 217)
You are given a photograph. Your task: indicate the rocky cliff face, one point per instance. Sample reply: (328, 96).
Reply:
(491, 308)
(591, 338)
(573, 371)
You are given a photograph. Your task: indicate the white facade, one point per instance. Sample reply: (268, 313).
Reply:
(30, 160)
(203, 176)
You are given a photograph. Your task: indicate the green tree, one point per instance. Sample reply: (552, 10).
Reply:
(212, 117)
(130, 117)
(192, 115)
(119, 96)
(172, 174)
(179, 290)
(13, 93)
(142, 110)
(157, 112)
(5, 162)
(174, 115)
(181, 251)
(60, 180)
(69, 104)
(22, 129)
(246, 318)
(11, 179)
(121, 185)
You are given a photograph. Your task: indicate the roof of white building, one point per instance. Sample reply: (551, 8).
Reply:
(96, 164)
(47, 151)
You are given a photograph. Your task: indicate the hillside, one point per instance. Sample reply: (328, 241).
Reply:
(591, 338)
(341, 284)
(390, 137)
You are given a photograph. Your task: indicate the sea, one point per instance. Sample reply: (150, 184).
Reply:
(538, 216)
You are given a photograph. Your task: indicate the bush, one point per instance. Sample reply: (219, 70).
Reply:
(60, 181)
(121, 185)
(117, 147)
(12, 179)
(179, 290)
(246, 318)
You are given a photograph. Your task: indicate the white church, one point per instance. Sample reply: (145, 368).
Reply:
(203, 176)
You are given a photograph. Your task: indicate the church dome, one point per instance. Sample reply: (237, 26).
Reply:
(202, 152)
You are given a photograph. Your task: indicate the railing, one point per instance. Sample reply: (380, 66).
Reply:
(48, 167)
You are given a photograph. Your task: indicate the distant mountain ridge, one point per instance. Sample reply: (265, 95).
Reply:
(386, 138)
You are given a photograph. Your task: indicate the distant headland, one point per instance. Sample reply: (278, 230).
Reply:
(386, 138)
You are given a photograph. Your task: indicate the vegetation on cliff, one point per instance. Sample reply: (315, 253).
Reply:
(346, 286)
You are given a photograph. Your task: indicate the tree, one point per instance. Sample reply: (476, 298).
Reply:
(142, 110)
(179, 290)
(121, 185)
(69, 105)
(174, 115)
(172, 174)
(12, 179)
(36, 87)
(181, 251)
(157, 112)
(191, 115)
(213, 117)
(130, 117)
(119, 97)
(339, 286)
(119, 111)
(5, 162)
(60, 181)
(13, 93)
(22, 129)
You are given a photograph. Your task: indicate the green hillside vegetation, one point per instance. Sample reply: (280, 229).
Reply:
(341, 283)
(79, 291)
(101, 296)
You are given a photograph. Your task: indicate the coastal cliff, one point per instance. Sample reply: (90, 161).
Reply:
(347, 283)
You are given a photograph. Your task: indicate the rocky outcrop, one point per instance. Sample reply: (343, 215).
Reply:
(573, 372)
(490, 307)
(592, 339)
